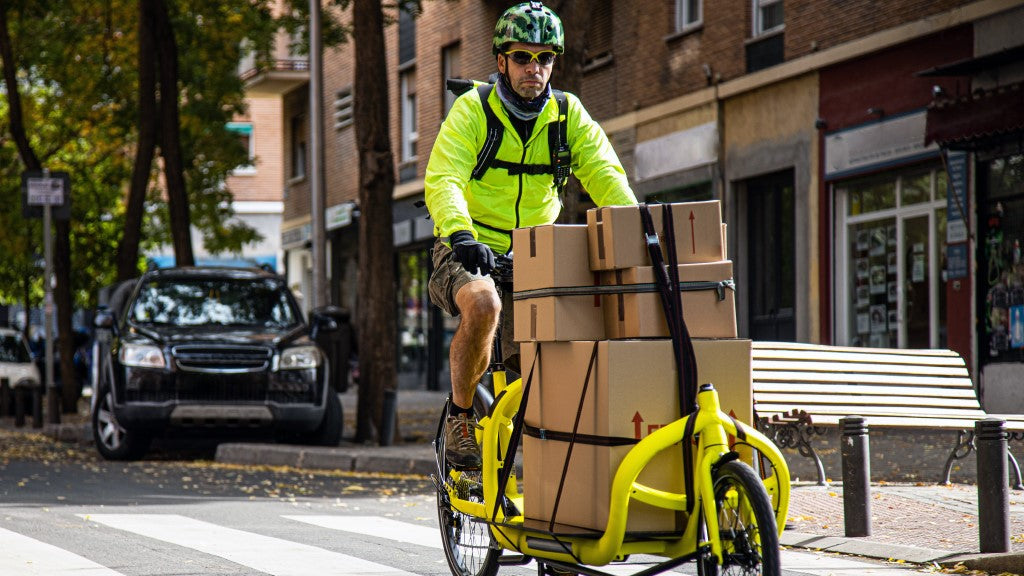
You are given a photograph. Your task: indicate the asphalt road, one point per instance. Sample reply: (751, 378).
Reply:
(64, 511)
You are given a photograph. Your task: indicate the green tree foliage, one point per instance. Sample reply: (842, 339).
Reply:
(77, 70)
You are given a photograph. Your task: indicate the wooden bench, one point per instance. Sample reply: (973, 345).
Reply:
(801, 390)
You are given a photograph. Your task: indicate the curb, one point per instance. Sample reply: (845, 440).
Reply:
(857, 547)
(413, 459)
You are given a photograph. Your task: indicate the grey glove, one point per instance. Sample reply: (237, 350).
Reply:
(473, 255)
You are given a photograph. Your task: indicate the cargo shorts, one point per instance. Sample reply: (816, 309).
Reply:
(449, 277)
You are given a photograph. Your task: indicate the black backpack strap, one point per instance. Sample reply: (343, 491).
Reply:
(495, 130)
(558, 142)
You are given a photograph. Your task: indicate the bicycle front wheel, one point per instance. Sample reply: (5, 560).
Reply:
(468, 544)
(746, 525)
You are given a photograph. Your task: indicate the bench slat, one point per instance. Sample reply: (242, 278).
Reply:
(912, 369)
(762, 346)
(862, 410)
(872, 400)
(768, 387)
(846, 377)
(903, 422)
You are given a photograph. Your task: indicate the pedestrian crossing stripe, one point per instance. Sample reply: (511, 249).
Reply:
(21, 554)
(377, 527)
(264, 553)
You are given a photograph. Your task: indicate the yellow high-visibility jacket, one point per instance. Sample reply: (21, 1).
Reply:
(494, 205)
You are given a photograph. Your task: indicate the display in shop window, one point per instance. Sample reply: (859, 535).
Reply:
(1017, 327)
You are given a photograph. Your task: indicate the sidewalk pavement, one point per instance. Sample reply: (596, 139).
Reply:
(920, 523)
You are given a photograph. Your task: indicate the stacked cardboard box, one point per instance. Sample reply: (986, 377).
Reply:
(586, 303)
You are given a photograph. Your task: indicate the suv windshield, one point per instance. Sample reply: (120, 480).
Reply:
(12, 349)
(198, 301)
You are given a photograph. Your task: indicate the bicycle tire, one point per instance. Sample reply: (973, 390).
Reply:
(468, 544)
(746, 523)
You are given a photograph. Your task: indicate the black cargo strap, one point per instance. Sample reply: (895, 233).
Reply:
(682, 346)
(588, 439)
(719, 286)
(508, 459)
(572, 439)
(558, 144)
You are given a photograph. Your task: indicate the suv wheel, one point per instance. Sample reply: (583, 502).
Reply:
(329, 431)
(113, 441)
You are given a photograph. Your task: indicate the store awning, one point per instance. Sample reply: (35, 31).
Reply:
(980, 120)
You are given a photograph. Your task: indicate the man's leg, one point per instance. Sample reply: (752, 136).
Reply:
(470, 350)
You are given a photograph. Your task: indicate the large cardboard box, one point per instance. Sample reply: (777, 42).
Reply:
(632, 392)
(709, 312)
(616, 235)
(552, 257)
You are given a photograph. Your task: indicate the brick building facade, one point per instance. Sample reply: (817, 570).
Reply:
(753, 102)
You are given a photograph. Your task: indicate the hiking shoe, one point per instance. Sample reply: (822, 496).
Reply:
(461, 450)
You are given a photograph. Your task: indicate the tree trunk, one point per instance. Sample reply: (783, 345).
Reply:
(377, 332)
(128, 250)
(575, 17)
(170, 137)
(69, 390)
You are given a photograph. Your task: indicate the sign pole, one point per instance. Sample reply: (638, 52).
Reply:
(52, 401)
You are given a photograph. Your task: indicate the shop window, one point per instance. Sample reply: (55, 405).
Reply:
(891, 279)
(1001, 266)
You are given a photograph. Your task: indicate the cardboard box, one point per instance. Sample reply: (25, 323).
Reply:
(558, 319)
(551, 257)
(616, 236)
(709, 312)
(631, 393)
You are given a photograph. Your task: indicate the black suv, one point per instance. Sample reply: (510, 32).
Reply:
(215, 349)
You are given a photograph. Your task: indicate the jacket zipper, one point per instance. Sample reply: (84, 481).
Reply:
(519, 197)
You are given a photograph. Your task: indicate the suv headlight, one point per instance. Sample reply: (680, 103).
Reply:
(300, 358)
(142, 356)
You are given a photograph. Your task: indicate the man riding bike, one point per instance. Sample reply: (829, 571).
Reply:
(475, 209)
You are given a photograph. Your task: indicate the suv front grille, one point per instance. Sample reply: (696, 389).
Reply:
(221, 359)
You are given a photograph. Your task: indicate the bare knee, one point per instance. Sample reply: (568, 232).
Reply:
(479, 303)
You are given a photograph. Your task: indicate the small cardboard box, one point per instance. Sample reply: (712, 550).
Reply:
(554, 256)
(616, 234)
(631, 393)
(550, 256)
(558, 319)
(709, 312)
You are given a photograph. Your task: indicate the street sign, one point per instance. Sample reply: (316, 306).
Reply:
(45, 191)
(39, 189)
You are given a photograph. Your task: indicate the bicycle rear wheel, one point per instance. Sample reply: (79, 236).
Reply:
(746, 524)
(468, 545)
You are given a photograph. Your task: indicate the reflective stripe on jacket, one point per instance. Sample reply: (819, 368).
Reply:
(499, 201)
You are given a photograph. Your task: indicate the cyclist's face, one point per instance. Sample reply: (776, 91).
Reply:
(528, 80)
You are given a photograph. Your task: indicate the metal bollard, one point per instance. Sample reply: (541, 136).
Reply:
(19, 406)
(5, 397)
(856, 476)
(993, 485)
(387, 421)
(37, 407)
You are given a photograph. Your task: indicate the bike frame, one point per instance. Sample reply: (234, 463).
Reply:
(711, 431)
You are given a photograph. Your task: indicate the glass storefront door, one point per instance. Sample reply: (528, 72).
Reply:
(890, 284)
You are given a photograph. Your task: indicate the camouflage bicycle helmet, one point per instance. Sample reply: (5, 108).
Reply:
(531, 23)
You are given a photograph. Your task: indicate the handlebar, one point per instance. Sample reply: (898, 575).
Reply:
(502, 271)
